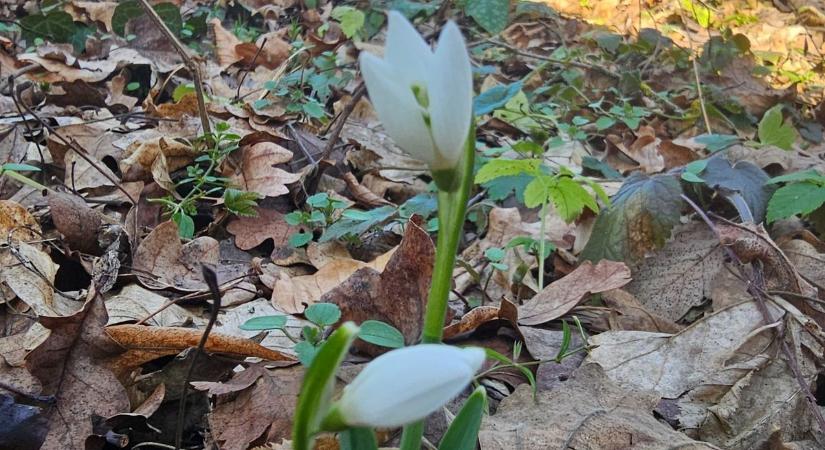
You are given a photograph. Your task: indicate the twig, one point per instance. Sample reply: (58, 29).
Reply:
(211, 279)
(249, 68)
(21, 71)
(550, 59)
(342, 120)
(756, 287)
(187, 60)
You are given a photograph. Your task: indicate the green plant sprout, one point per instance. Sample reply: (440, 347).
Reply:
(12, 170)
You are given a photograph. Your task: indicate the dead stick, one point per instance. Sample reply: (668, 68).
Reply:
(342, 119)
(187, 60)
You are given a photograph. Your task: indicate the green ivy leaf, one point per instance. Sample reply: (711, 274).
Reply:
(639, 219)
(715, 142)
(130, 9)
(604, 122)
(323, 314)
(492, 15)
(773, 130)
(351, 19)
(264, 323)
(56, 26)
(795, 199)
(381, 333)
(495, 98)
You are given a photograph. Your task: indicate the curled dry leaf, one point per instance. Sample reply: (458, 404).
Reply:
(141, 156)
(259, 172)
(161, 261)
(482, 315)
(133, 303)
(76, 221)
(67, 364)
(562, 295)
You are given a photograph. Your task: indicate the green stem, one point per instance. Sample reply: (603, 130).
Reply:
(542, 234)
(411, 436)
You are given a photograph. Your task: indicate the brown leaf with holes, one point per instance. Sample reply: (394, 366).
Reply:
(76, 221)
(268, 404)
(68, 363)
(142, 344)
(251, 232)
(162, 261)
(562, 295)
(259, 172)
(397, 295)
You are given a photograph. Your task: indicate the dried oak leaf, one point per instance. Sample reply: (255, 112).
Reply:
(251, 232)
(16, 223)
(141, 156)
(562, 295)
(267, 404)
(161, 261)
(397, 295)
(482, 315)
(588, 411)
(76, 221)
(69, 365)
(259, 172)
(143, 344)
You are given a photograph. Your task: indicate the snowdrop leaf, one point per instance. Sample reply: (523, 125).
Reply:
(463, 432)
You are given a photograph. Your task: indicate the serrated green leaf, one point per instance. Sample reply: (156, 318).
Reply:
(639, 219)
(323, 314)
(773, 130)
(130, 9)
(568, 197)
(795, 199)
(492, 15)
(351, 19)
(56, 26)
(381, 333)
(264, 323)
(241, 203)
(495, 97)
(496, 168)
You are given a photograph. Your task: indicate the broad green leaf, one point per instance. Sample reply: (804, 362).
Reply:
(318, 200)
(496, 168)
(381, 333)
(743, 178)
(773, 130)
(811, 175)
(323, 314)
(494, 254)
(516, 112)
(316, 390)
(130, 9)
(351, 19)
(463, 431)
(605, 122)
(591, 163)
(181, 90)
(186, 226)
(299, 239)
(492, 15)
(264, 323)
(56, 26)
(568, 196)
(423, 204)
(715, 142)
(795, 199)
(358, 439)
(495, 97)
(639, 219)
(701, 13)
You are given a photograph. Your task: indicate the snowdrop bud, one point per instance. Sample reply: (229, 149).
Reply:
(423, 98)
(407, 384)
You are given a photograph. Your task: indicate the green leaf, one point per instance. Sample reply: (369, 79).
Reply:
(299, 239)
(639, 219)
(381, 333)
(604, 122)
(323, 314)
(492, 15)
(591, 163)
(701, 13)
(495, 254)
(349, 226)
(318, 200)
(463, 431)
(181, 90)
(18, 167)
(130, 9)
(351, 19)
(811, 175)
(715, 142)
(133, 86)
(568, 196)
(313, 109)
(495, 98)
(691, 177)
(423, 204)
(358, 439)
(795, 199)
(186, 226)
(264, 323)
(241, 203)
(743, 178)
(316, 390)
(496, 168)
(773, 131)
(56, 26)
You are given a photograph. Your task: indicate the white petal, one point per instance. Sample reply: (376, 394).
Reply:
(405, 385)
(406, 51)
(397, 108)
(450, 85)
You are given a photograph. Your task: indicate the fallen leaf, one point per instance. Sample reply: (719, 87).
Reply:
(161, 261)
(140, 156)
(16, 223)
(251, 232)
(545, 345)
(76, 221)
(134, 303)
(259, 172)
(562, 295)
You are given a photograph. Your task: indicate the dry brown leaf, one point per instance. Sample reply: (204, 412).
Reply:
(16, 223)
(134, 303)
(225, 42)
(270, 50)
(628, 313)
(251, 232)
(397, 295)
(562, 295)
(76, 221)
(29, 272)
(293, 294)
(142, 344)
(259, 172)
(588, 411)
(161, 261)
(545, 345)
(96, 11)
(232, 319)
(482, 315)
(141, 156)
(67, 364)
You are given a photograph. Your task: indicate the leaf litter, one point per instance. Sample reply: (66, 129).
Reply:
(658, 317)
